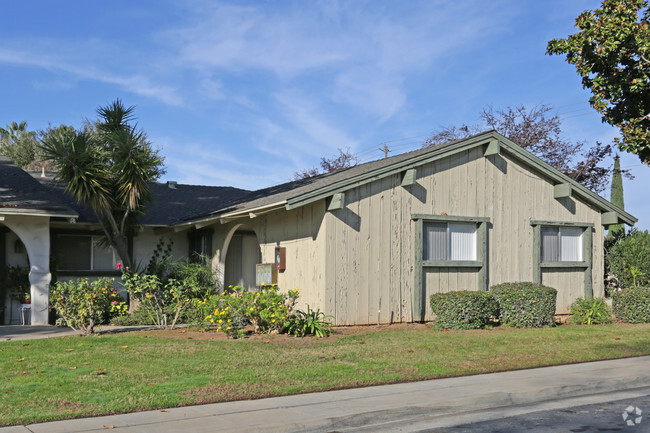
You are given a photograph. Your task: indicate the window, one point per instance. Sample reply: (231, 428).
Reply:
(200, 246)
(83, 253)
(562, 244)
(449, 241)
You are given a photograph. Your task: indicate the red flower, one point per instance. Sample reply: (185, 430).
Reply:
(118, 266)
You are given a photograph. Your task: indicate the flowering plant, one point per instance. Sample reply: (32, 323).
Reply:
(84, 305)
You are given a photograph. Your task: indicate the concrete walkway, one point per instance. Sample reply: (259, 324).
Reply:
(403, 407)
(31, 332)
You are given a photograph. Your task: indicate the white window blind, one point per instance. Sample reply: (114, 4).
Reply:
(462, 241)
(435, 241)
(571, 244)
(449, 241)
(562, 244)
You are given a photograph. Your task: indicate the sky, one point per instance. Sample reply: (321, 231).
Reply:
(246, 93)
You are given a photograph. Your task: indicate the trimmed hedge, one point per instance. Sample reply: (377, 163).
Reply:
(463, 309)
(590, 312)
(632, 305)
(525, 305)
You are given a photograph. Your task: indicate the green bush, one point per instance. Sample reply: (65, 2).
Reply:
(632, 305)
(628, 260)
(84, 305)
(138, 317)
(310, 322)
(168, 297)
(267, 309)
(463, 309)
(590, 312)
(525, 305)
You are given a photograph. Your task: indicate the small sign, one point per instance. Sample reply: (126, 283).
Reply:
(265, 273)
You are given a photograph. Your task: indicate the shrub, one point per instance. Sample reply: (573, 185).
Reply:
(310, 322)
(267, 309)
(590, 312)
(83, 304)
(525, 305)
(166, 298)
(463, 310)
(138, 317)
(628, 260)
(632, 305)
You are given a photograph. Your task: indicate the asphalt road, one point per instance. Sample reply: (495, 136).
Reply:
(602, 417)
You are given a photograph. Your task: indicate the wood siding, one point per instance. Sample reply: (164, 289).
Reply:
(371, 241)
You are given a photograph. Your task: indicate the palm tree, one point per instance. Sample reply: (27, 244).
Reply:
(108, 168)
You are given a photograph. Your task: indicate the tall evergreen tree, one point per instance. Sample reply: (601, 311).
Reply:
(617, 196)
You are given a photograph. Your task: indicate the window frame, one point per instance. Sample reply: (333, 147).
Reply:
(60, 231)
(587, 260)
(93, 245)
(480, 264)
(448, 245)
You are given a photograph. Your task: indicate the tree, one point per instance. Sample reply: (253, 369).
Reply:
(542, 135)
(108, 168)
(611, 52)
(617, 196)
(345, 159)
(18, 144)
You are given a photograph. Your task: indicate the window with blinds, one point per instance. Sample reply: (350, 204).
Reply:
(449, 241)
(562, 244)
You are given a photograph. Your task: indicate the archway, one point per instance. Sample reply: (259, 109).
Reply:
(240, 255)
(34, 233)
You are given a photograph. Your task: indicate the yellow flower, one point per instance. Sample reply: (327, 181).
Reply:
(211, 320)
(228, 328)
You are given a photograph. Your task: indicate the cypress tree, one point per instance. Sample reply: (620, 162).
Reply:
(617, 196)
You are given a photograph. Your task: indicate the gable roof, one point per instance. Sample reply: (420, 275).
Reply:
(295, 194)
(21, 194)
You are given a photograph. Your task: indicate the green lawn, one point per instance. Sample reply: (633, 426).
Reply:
(50, 379)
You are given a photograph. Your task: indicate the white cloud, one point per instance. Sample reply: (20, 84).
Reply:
(41, 55)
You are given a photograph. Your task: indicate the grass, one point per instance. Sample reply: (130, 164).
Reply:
(52, 379)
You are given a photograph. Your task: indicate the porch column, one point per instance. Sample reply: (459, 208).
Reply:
(34, 232)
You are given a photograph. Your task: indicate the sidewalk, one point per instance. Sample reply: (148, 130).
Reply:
(377, 408)
(28, 332)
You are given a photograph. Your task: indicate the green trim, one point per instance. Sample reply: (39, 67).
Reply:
(337, 202)
(409, 177)
(445, 151)
(560, 224)
(482, 254)
(452, 264)
(564, 264)
(586, 255)
(562, 190)
(492, 148)
(418, 286)
(609, 218)
(559, 177)
(587, 263)
(448, 218)
(419, 289)
(537, 253)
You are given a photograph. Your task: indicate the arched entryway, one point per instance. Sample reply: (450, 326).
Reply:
(241, 254)
(34, 234)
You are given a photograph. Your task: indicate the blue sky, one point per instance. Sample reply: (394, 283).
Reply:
(247, 93)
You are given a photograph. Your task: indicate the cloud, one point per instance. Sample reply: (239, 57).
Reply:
(44, 55)
(361, 53)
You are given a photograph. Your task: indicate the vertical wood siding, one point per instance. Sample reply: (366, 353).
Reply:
(369, 262)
